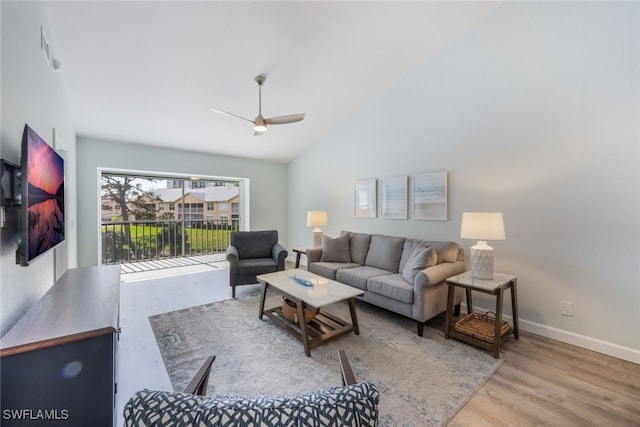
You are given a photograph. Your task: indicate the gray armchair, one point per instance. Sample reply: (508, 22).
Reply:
(252, 253)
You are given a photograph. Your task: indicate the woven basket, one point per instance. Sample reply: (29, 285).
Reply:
(290, 311)
(482, 326)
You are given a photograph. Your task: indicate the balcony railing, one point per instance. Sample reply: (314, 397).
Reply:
(132, 241)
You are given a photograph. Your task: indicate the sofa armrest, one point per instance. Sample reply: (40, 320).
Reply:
(232, 255)
(279, 254)
(438, 273)
(314, 255)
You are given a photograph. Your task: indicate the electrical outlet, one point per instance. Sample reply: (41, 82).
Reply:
(566, 308)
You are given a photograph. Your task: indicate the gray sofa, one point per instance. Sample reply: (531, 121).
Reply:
(406, 276)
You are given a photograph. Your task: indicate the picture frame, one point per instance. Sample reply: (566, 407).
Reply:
(393, 197)
(365, 198)
(430, 196)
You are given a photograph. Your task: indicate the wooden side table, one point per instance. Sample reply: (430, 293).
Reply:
(299, 252)
(496, 287)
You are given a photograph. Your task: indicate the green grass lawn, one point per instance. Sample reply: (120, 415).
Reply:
(198, 240)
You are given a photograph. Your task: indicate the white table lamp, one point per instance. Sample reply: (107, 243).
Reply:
(482, 226)
(317, 219)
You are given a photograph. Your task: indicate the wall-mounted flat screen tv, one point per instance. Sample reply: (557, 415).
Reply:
(42, 218)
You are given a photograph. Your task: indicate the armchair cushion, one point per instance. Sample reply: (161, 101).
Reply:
(254, 244)
(353, 405)
(255, 266)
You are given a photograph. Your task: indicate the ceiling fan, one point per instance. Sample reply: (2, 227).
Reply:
(260, 123)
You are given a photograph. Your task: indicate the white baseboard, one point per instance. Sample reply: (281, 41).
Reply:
(604, 347)
(594, 344)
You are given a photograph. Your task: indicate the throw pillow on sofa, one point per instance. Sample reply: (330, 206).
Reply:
(420, 259)
(335, 250)
(358, 246)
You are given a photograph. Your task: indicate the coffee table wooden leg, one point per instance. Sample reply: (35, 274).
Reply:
(304, 333)
(262, 298)
(354, 317)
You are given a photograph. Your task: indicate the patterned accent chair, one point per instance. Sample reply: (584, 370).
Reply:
(354, 404)
(252, 253)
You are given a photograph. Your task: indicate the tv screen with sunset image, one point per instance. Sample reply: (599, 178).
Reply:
(43, 222)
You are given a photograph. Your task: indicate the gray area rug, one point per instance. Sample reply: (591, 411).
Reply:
(423, 381)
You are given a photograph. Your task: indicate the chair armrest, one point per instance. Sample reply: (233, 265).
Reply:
(348, 378)
(232, 255)
(314, 255)
(438, 273)
(198, 384)
(279, 254)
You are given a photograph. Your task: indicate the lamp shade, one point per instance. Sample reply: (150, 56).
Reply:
(317, 219)
(482, 226)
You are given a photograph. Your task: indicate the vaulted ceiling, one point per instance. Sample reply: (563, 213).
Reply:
(150, 72)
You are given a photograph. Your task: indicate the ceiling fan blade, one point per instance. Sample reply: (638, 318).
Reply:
(281, 120)
(215, 110)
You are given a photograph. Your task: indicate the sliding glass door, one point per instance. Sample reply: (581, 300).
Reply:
(145, 218)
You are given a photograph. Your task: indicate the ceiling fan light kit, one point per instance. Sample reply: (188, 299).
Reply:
(260, 123)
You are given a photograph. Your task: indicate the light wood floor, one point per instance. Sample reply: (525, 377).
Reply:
(544, 382)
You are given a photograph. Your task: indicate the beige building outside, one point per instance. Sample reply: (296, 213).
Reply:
(219, 204)
(209, 204)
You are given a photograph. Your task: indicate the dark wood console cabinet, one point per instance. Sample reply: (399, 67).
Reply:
(58, 363)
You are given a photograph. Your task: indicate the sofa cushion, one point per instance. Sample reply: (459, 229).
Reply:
(329, 269)
(353, 405)
(335, 249)
(358, 276)
(392, 286)
(420, 259)
(358, 245)
(384, 252)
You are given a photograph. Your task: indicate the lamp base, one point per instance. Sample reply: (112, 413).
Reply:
(482, 261)
(317, 238)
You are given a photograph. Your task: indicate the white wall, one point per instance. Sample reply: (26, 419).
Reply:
(31, 93)
(534, 113)
(268, 183)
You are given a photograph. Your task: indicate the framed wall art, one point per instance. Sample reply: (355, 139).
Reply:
(365, 198)
(430, 196)
(393, 197)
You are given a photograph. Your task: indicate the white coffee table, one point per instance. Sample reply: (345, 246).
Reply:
(324, 327)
